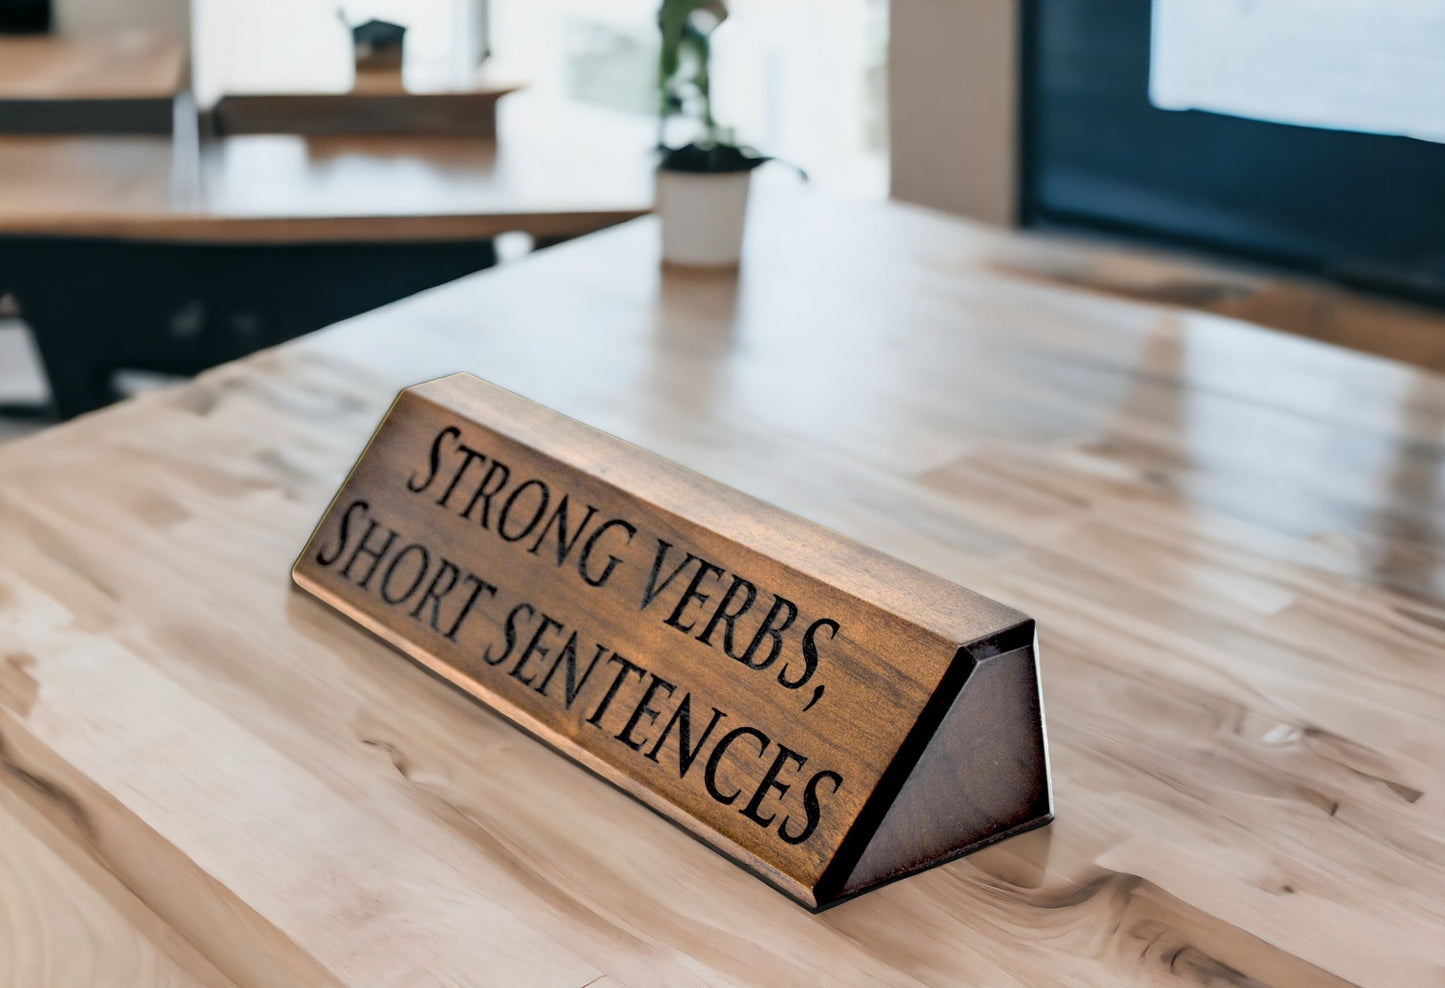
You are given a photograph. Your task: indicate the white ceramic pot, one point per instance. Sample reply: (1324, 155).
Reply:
(702, 217)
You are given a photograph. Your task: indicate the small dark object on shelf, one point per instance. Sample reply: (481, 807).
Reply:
(378, 44)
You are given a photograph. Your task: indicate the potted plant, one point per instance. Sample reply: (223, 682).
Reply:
(702, 186)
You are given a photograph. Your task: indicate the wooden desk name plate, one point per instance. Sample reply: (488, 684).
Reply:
(828, 717)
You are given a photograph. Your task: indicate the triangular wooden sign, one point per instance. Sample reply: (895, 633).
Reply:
(827, 716)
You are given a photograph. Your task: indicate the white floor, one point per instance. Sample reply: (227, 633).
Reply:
(22, 381)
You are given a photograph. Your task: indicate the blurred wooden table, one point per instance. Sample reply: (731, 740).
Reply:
(196, 253)
(1231, 539)
(111, 83)
(555, 170)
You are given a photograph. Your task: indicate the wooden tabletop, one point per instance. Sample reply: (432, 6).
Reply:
(555, 170)
(125, 65)
(1231, 540)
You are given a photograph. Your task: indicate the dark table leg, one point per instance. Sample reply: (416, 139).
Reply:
(96, 306)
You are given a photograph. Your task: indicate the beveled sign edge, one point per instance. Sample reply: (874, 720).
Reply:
(890, 783)
(1041, 809)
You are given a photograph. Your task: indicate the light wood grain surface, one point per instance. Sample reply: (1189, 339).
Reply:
(69, 923)
(555, 170)
(1230, 538)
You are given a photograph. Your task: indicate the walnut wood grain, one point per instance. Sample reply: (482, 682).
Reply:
(1230, 538)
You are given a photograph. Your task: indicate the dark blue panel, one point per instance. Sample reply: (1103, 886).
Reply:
(1360, 208)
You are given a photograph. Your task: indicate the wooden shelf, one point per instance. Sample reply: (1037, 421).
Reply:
(366, 112)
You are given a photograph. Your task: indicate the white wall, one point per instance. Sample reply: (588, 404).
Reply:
(172, 17)
(953, 105)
